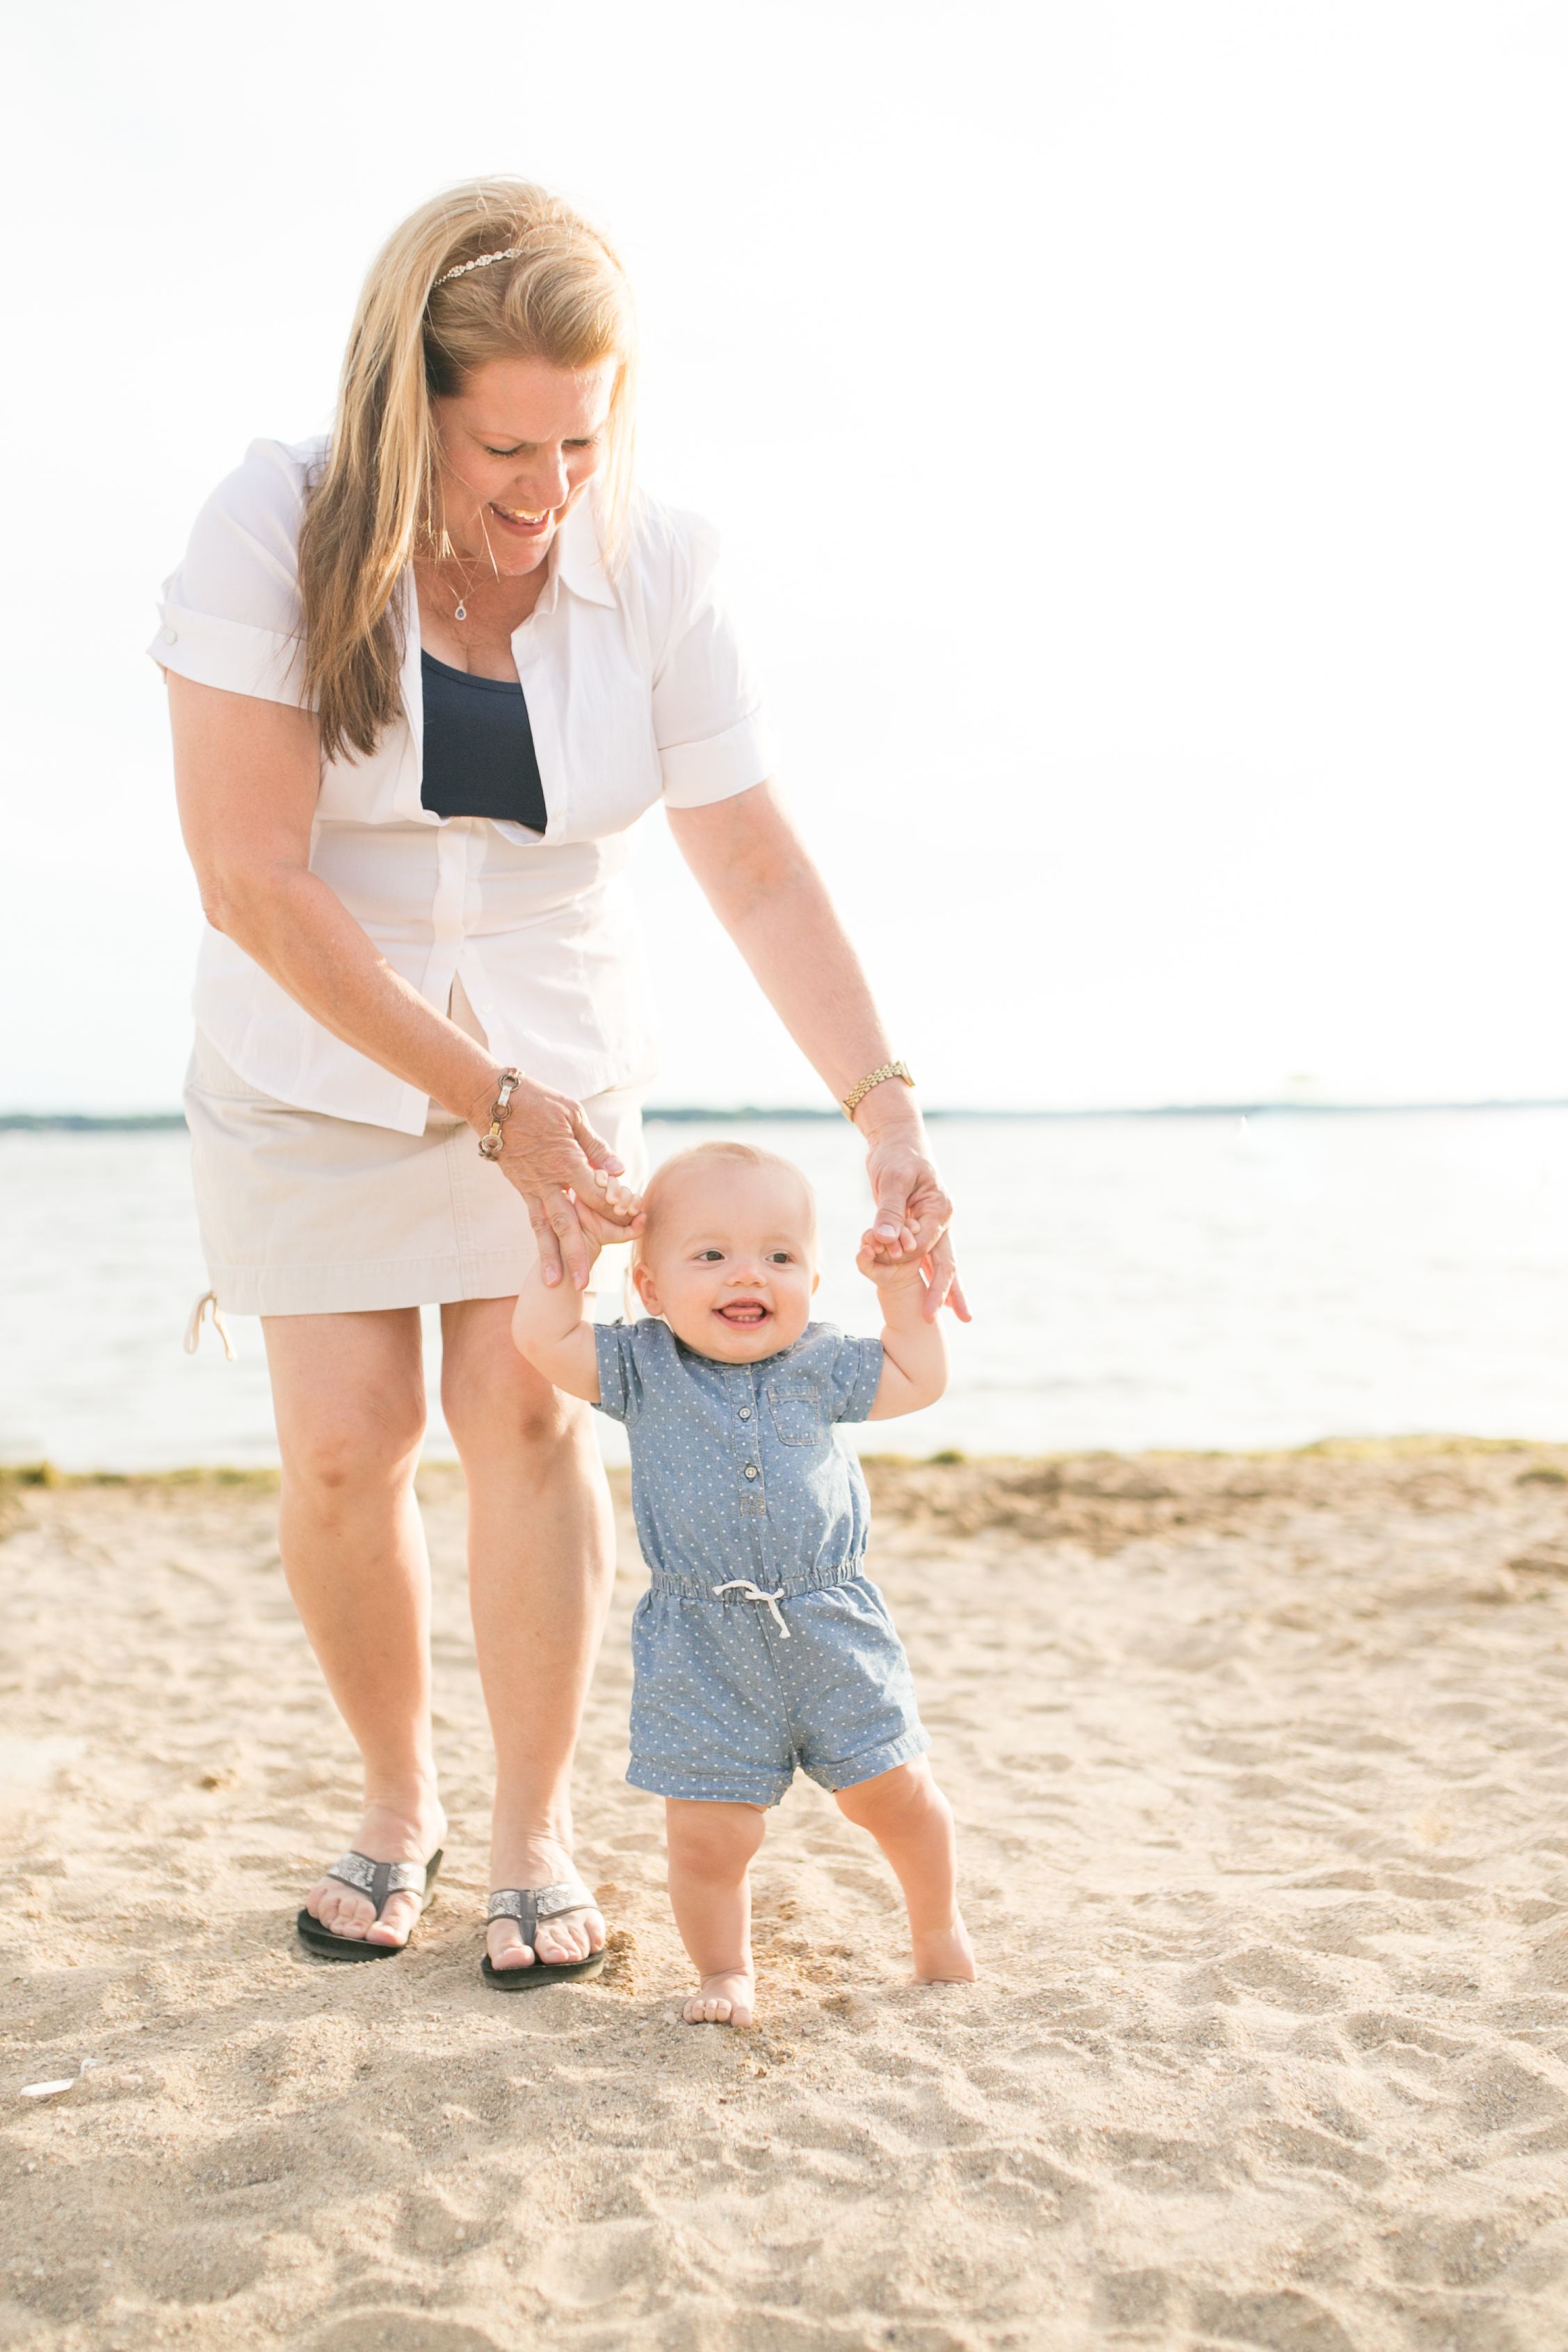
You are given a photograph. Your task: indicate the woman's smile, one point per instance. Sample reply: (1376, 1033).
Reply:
(518, 519)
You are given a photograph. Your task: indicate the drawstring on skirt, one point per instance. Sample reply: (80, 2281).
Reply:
(194, 1327)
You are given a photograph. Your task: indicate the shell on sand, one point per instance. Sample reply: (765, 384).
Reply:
(1260, 1769)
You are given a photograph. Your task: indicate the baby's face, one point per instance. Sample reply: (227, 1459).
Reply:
(729, 1263)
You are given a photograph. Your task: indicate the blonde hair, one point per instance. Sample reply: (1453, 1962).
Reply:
(750, 1155)
(563, 297)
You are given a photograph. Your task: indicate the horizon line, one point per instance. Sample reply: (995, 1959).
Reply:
(66, 1122)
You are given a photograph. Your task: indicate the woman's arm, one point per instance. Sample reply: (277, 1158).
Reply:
(758, 879)
(247, 773)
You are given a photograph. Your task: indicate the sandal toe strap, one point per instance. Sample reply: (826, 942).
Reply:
(380, 1880)
(530, 1907)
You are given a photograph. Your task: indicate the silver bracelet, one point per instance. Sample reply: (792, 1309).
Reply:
(500, 1112)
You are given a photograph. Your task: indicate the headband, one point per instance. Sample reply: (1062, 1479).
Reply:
(480, 261)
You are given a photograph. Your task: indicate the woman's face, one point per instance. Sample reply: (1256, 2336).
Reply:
(519, 445)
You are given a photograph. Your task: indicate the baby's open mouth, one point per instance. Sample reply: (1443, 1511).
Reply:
(747, 1312)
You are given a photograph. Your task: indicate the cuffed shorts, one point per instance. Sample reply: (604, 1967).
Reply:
(724, 1709)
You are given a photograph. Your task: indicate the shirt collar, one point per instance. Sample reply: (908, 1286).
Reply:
(579, 565)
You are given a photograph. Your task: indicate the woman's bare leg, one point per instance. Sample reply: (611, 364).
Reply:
(542, 1561)
(349, 1396)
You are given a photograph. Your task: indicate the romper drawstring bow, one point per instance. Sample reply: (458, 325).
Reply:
(754, 1592)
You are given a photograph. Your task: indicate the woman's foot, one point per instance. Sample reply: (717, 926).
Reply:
(944, 1957)
(386, 1833)
(728, 1998)
(540, 1862)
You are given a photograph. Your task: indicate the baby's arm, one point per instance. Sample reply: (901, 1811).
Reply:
(913, 1351)
(551, 1329)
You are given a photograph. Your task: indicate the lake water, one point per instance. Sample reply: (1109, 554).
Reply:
(1178, 1281)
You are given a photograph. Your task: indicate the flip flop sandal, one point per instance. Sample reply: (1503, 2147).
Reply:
(380, 1881)
(530, 1907)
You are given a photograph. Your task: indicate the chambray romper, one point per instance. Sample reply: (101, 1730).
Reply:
(742, 1480)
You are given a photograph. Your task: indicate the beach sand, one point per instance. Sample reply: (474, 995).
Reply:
(1259, 1767)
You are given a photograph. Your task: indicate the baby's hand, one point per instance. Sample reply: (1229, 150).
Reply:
(616, 1197)
(613, 1211)
(889, 1265)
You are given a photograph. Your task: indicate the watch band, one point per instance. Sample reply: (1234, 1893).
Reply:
(856, 1095)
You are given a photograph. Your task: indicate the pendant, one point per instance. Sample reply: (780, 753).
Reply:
(461, 613)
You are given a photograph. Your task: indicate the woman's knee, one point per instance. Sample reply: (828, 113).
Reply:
(349, 1395)
(500, 1400)
(360, 1444)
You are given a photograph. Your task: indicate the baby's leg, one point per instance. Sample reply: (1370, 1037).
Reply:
(910, 1819)
(711, 1846)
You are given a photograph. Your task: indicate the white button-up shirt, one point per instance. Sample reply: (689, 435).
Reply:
(636, 687)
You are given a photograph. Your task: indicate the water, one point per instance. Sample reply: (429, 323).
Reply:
(1136, 1282)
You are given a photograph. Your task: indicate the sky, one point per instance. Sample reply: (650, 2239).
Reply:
(1137, 436)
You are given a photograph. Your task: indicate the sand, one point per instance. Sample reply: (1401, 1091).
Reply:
(1259, 1767)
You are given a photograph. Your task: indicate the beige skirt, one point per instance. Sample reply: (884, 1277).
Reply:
(302, 1214)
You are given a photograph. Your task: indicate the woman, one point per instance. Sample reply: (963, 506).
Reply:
(422, 678)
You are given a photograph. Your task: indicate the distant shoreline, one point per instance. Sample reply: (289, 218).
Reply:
(17, 1478)
(71, 1122)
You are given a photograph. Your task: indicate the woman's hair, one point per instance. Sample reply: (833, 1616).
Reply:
(563, 297)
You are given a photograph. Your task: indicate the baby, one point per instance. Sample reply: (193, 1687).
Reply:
(760, 1644)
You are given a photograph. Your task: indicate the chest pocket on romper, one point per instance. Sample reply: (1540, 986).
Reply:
(797, 1414)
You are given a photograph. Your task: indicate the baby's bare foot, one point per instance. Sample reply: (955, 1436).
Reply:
(945, 1957)
(728, 1998)
(387, 1833)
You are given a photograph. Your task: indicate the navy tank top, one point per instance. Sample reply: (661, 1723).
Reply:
(479, 757)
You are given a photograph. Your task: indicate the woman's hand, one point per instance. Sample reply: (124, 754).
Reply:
(567, 1175)
(913, 1217)
(761, 884)
(913, 1213)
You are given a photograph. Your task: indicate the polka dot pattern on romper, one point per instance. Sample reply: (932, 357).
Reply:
(739, 1474)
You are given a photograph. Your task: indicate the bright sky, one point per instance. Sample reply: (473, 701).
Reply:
(1137, 436)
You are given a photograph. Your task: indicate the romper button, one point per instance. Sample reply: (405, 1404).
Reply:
(751, 1469)
(745, 1412)
(171, 636)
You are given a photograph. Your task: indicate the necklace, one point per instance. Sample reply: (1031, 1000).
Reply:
(460, 611)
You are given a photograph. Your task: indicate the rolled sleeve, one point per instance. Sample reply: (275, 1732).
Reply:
(856, 1375)
(696, 773)
(231, 615)
(228, 654)
(620, 1390)
(712, 734)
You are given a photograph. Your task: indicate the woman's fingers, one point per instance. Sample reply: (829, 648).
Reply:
(943, 1285)
(567, 1227)
(907, 1193)
(592, 1146)
(924, 1219)
(545, 1241)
